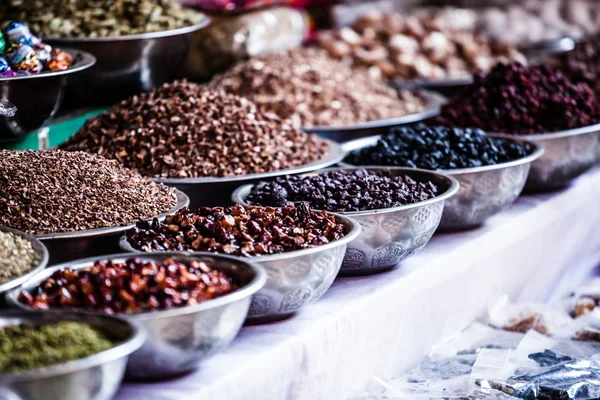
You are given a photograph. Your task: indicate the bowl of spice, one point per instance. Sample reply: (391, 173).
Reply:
(320, 94)
(191, 305)
(21, 256)
(560, 115)
(67, 355)
(492, 171)
(139, 44)
(398, 209)
(301, 249)
(202, 141)
(77, 204)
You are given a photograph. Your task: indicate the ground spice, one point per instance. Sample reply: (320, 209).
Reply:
(17, 256)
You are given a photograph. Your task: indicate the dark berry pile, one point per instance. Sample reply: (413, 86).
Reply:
(352, 190)
(438, 148)
(522, 100)
(582, 65)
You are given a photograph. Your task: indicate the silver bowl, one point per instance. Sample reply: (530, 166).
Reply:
(97, 377)
(31, 101)
(446, 87)
(388, 235)
(67, 246)
(568, 154)
(42, 260)
(213, 192)
(296, 278)
(484, 191)
(127, 65)
(433, 102)
(179, 338)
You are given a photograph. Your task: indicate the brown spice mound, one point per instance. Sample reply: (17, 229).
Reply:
(56, 191)
(184, 130)
(313, 89)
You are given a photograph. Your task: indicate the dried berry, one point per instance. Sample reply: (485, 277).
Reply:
(131, 286)
(582, 65)
(353, 190)
(184, 130)
(238, 230)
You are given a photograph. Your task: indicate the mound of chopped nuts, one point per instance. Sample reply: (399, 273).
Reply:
(312, 89)
(418, 46)
(57, 191)
(184, 130)
(17, 256)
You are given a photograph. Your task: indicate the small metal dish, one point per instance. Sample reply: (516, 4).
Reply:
(388, 235)
(179, 338)
(296, 278)
(67, 246)
(127, 65)
(212, 192)
(97, 377)
(433, 102)
(567, 155)
(484, 191)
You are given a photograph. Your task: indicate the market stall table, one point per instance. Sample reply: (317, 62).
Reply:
(386, 323)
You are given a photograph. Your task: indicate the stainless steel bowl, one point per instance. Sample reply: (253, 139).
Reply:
(433, 102)
(178, 339)
(127, 65)
(36, 97)
(446, 87)
(388, 235)
(92, 378)
(484, 191)
(567, 155)
(41, 256)
(67, 246)
(295, 279)
(217, 191)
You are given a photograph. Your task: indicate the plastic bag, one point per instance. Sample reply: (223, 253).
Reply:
(583, 300)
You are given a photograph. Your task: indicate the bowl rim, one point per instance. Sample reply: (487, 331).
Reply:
(38, 247)
(453, 187)
(432, 83)
(537, 153)
(121, 350)
(350, 223)
(87, 61)
(257, 282)
(182, 201)
(540, 137)
(138, 36)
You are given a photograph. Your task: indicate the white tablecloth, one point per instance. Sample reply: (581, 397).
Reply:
(387, 322)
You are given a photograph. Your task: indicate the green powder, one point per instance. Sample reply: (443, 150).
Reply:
(24, 347)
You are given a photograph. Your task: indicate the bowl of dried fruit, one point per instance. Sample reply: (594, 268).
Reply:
(301, 249)
(398, 209)
(191, 305)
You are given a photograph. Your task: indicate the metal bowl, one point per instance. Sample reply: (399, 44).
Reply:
(296, 278)
(127, 65)
(67, 246)
(445, 87)
(484, 191)
(388, 235)
(539, 51)
(179, 338)
(36, 97)
(92, 378)
(567, 155)
(433, 102)
(217, 191)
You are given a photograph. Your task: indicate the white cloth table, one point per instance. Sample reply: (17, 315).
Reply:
(386, 323)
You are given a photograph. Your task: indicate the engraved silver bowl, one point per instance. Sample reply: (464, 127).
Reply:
(179, 338)
(388, 235)
(296, 278)
(97, 377)
(484, 191)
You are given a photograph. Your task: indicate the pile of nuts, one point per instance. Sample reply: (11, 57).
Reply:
(17, 256)
(131, 286)
(98, 18)
(343, 190)
(184, 130)
(420, 46)
(311, 89)
(238, 230)
(517, 99)
(56, 191)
